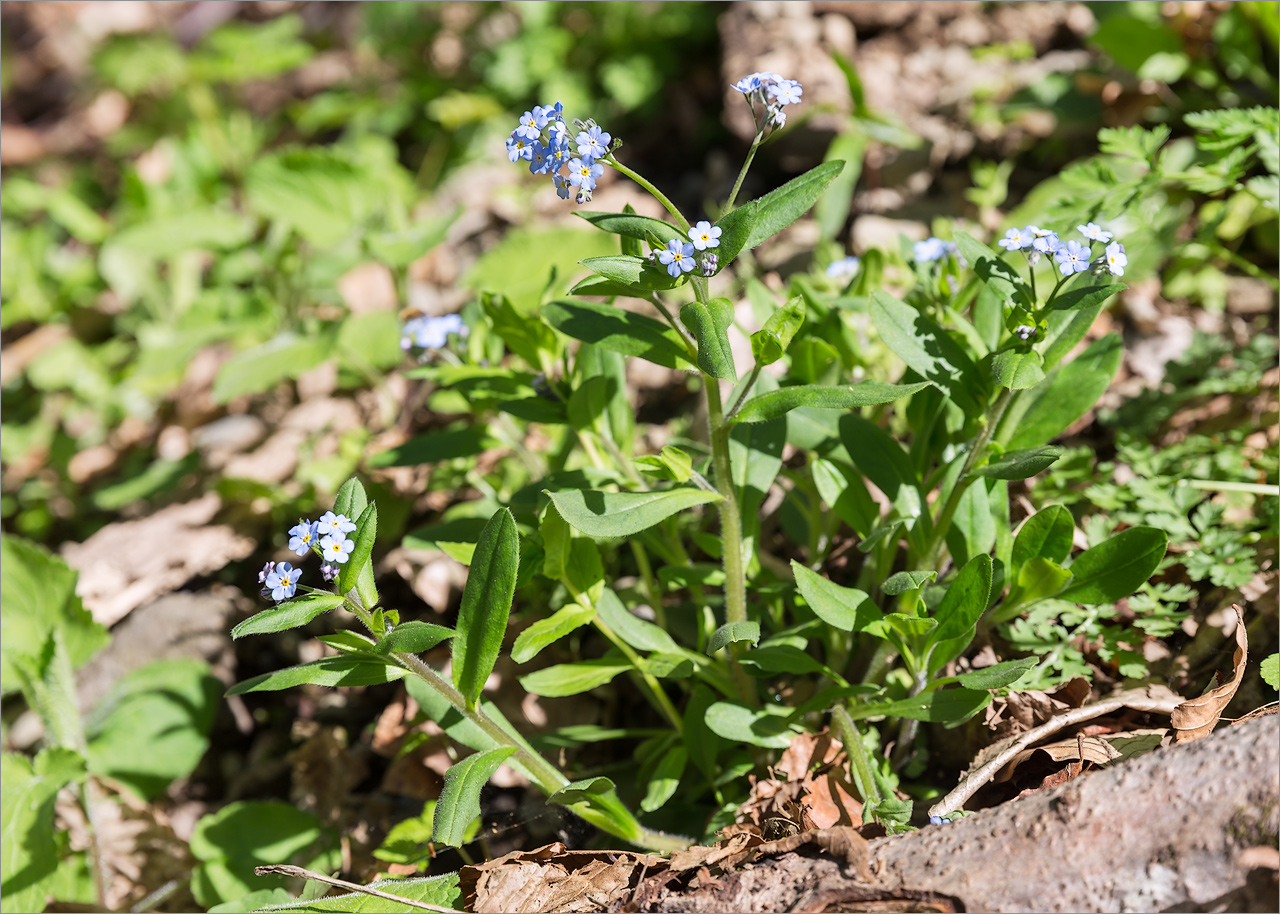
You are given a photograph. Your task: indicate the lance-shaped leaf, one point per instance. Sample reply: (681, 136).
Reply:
(288, 615)
(413, 638)
(733, 632)
(631, 225)
(735, 229)
(869, 393)
(351, 499)
(459, 803)
(616, 514)
(1021, 464)
(898, 584)
(619, 331)
(637, 632)
(1071, 392)
(965, 600)
(779, 208)
(1116, 567)
(432, 448)
(573, 678)
(998, 275)
(358, 560)
(1046, 534)
(998, 675)
(347, 670)
(1017, 370)
(769, 727)
(709, 323)
(486, 605)
(949, 706)
(771, 341)
(927, 349)
(845, 608)
(638, 273)
(546, 631)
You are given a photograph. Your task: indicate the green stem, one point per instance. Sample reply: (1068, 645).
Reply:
(860, 765)
(652, 593)
(751, 154)
(742, 396)
(943, 523)
(657, 194)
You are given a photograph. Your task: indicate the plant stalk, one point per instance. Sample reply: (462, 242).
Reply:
(657, 194)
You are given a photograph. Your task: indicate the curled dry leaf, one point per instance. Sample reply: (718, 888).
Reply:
(551, 878)
(1195, 718)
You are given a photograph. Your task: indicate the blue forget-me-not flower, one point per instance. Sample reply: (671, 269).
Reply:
(430, 332)
(1016, 239)
(542, 139)
(1072, 257)
(594, 143)
(929, 250)
(336, 548)
(1095, 232)
(705, 235)
(282, 581)
(330, 523)
(843, 268)
(677, 256)
(1116, 258)
(772, 91)
(303, 537)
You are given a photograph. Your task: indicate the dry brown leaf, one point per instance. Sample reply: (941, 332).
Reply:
(1195, 718)
(551, 878)
(1074, 749)
(1020, 711)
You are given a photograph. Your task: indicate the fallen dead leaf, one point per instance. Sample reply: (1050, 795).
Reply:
(1195, 718)
(552, 878)
(1020, 711)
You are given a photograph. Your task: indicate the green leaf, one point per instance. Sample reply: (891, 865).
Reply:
(351, 499)
(358, 560)
(1071, 392)
(259, 369)
(927, 350)
(314, 190)
(780, 658)
(999, 675)
(903, 581)
(1021, 464)
(348, 670)
(735, 227)
(30, 849)
(618, 331)
(965, 601)
(733, 632)
(842, 488)
(883, 461)
(519, 268)
(945, 706)
(709, 323)
(1017, 370)
(666, 778)
(639, 274)
(1116, 567)
(783, 206)
(573, 678)
(441, 891)
(770, 342)
(633, 226)
(845, 608)
(486, 605)
(832, 210)
(546, 631)
(768, 727)
(399, 249)
(998, 275)
(779, 402)
(1039, 578)
(459, 803)
(413, 638)
(1085, 298)
(670, 463)
(636, 632)
(169, 707)
(38, 595)
(1269, 670)
(1046, 534)
(434, 447)
(618, 514)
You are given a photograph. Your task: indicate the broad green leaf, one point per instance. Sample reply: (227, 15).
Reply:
(1072, 391)
(413, 638)
(845, 493)
(633, 226)
(755, 459)
(1065, 329)
(605, 287)
(666, 665)
(666, 778)
(998, 275)
(37, 595)
(736, 227)
(527, 337)
(883, 461)
(868, 393)
(709, 323)
(588, 403)
(1086, 297)
(349, 642)
(903, 581)
(700, 742)
(583, 791)
(1017, 370)
(670, 463)
(832, 209)
(1047, 534)
(1116, 567)
(636, 632)
(927, 349)
(732, 633)
(459, 803)
(1039, 578)
(401, 248)
(618, 514)
(229, 843)
(965, 601)
(556, 536)
(768, 727)
(783, 206)
(770, 342)
(618, 331)
(573, 678)
(313, 190)
(28, 848)
(546, 631)
(351, 499)
(945, 706)
(520, 267)
(845, 608)
(998, 675)
(486, 605)
(348, 670)
(1269, 670)
(639, 274)
(255, 370)
(434, 447)
(169, 707)
(910, 627)
(441, 891)
(973, 528)
(366, 533)
(780, 658)
(584, 572)
(1020, 464)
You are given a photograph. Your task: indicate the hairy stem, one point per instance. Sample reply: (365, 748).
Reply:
(647, 185)
(746, 164)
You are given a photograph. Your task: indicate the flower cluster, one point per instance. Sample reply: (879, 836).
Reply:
(931, 249)
(680, 257)
(843, 268)
(326, 536)
(431, 332)
(1071, 256)
(542, 140)
(772, 91)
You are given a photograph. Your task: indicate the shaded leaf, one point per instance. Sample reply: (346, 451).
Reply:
(546, 631)
(618, 331)
(733, 632)
(945, 706)
(927, 349)
(486, 605)
(1017, 370)
(1020, 464)
(768, 727)
(868, 393)
(459, 803)
(617, 514)
(573, 678)
(413, 638)
(903, 581)
(997, 676)
(348, 670)
(770, 342)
